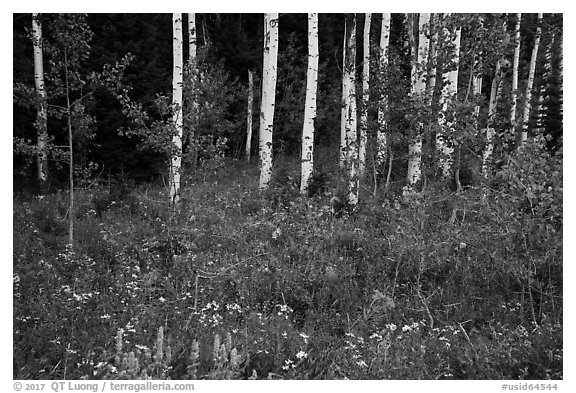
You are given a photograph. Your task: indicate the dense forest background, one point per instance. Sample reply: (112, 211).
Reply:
(232, 45)
(453, 278)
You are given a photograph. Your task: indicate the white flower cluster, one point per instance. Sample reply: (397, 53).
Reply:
(408, 328)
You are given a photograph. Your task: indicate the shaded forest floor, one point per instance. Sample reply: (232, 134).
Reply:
(242, 284)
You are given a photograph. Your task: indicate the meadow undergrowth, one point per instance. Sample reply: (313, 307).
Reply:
(241, 284)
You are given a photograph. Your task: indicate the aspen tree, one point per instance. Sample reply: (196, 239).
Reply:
(365, 97)
(515, 66)
(343, 147)
(492, 105)
(418, 90)
(546, 74)
(177, 80)
(71, 212)
(444, 142)
(249, 114)
(528, 95)
(432, 57)
(477, 80)
(381, 139)
(477, 90)
(192, 61)
(351, 115)
(561, 71)
(268, 97)
(192, 38)
(42, 115)
(310, 105)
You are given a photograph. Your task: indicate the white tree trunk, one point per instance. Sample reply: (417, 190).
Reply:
(381, 139)
(177, 81)
(365, 97)
(418, 89)
(526, 117)
(268, 97)
(249, 114)
(42, 115)
(351, 111)
(444, 139)
(310, 106)
(515, 67)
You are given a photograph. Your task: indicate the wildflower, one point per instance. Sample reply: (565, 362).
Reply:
(305, 337)
(446, 341)
(391, 326)
(301, 355)
(277, 232)
(406, 328)
(105, 316)
(376, 336)
(234, 306)
(130, 328)
(288, 364)
(284, 335)
(362, 363)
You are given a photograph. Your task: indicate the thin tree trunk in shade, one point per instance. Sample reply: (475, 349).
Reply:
(528, 95)
(515, 67)
(365, 97)
(343, 147)
(192, 60)
(249, 114)
(490, 123)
